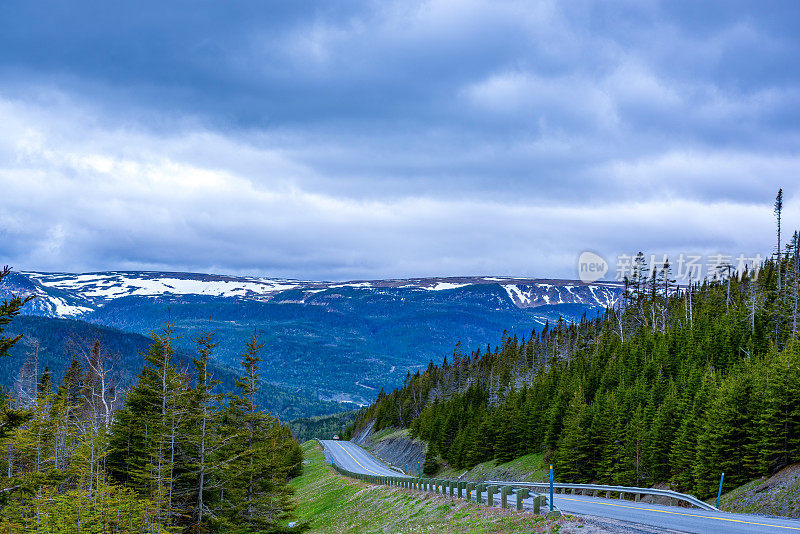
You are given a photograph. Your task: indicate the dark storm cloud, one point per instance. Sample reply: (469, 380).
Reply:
(366, 139)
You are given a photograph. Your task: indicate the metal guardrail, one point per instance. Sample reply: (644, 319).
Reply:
(512, 488)
(623, 491)
(454, 488)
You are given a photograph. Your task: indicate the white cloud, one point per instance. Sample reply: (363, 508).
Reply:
(112, 199)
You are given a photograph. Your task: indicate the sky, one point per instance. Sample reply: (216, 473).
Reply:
(339, 140)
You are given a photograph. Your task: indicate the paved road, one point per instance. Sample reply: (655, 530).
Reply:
(675, 518)
(352, 457)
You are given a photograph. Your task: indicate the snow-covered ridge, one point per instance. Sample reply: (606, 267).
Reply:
(539, 294)
(70, 295)
(123, 284)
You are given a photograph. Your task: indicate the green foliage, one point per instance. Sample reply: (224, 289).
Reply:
(260, 460)
(431, 465)
(10, 419)
(176, 456)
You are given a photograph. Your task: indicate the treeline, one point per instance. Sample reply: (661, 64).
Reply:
(321, 427)
(672, 385)
(170, 455)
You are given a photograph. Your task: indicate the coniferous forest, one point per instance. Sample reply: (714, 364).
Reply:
(172, 454)
(673, 385)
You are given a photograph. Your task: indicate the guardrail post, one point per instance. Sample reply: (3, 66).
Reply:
(504, 492)
(452, 486)
(460, 489)
(469, 487)
(538, 501)
(522, 494)
(479, 489)
(490, 491)
(622, 495)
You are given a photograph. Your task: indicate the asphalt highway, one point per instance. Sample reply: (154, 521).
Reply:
(350, 456)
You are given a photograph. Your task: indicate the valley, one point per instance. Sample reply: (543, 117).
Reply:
(333, 342)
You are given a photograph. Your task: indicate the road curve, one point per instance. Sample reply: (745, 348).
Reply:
(350, 456)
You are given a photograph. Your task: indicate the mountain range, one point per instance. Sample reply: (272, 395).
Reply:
(332, 341)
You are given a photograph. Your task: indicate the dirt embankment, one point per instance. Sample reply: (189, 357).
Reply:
(776, 495)
(394, 447)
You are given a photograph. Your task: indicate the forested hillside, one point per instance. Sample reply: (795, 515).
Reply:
(171, 455)
(321, 427)
(676, 384)
(53, 343)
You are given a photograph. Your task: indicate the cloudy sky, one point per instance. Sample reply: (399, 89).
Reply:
(370, 139)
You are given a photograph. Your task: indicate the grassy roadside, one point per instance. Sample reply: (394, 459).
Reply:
(330, 503)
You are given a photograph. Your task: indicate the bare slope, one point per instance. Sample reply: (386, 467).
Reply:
(776, 495)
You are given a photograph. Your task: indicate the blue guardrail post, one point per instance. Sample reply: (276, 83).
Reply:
(551, 487)
(719, 493)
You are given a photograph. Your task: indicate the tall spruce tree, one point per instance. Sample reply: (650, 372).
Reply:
(254, 496)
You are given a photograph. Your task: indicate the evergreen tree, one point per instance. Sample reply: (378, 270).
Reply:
(254, 494)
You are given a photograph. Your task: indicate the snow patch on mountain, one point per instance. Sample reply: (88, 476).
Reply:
(62, 309)
(441, 286)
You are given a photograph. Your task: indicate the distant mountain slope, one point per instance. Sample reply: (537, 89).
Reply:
(66, 294)
(59, 339)
(338, 340)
